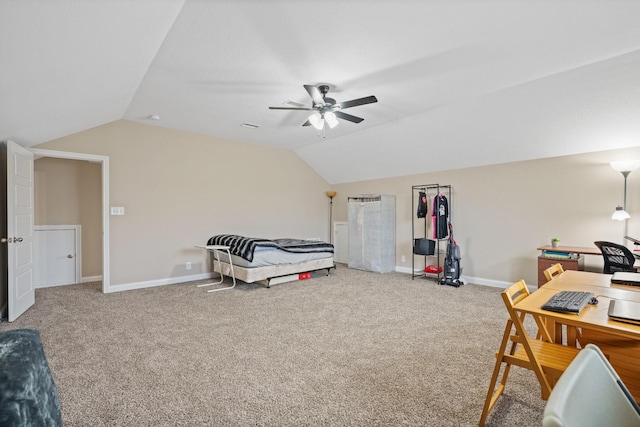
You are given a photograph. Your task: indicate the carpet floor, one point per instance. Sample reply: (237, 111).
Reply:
(353, 348)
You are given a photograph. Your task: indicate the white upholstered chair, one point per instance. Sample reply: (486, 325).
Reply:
(589, 394)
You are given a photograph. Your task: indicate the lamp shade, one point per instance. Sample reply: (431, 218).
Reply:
(331, 119)
(316, 120)
(626, 165)
(620, 214)
(331, 194)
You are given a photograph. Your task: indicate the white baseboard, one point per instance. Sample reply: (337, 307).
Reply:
(486, 282)
(86, 279)
(204, 276)
(160, 282)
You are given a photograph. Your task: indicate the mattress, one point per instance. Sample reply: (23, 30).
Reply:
(263, 257)
(246, 247)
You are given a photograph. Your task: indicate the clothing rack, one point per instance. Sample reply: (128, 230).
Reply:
(420, 226)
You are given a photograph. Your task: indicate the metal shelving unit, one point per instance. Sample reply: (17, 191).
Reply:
(422, 224)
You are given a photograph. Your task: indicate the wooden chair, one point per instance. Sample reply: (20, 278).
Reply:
(546, 359)
(553, 271)
(550, 273)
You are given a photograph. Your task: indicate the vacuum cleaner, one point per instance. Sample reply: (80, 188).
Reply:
(452, 269)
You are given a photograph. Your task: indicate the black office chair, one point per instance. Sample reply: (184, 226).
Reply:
(616, 257)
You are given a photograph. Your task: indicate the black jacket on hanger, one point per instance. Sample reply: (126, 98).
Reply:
(440, 216)
(422, 205)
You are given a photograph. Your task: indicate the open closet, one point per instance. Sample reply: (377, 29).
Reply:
(431, 213)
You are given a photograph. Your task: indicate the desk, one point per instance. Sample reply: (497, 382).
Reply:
(576, 262)
(619, 341)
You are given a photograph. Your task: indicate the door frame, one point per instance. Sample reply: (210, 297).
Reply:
(104, 161)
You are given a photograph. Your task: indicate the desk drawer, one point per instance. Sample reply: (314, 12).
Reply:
(567, 264)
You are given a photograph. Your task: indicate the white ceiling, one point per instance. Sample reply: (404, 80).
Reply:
(459, 83)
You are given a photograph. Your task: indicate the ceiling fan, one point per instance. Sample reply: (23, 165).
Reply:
(326, 109)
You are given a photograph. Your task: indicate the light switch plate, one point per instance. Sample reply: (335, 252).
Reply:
(117, 210)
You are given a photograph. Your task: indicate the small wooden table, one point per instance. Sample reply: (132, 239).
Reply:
(618, 340)
(215, 249)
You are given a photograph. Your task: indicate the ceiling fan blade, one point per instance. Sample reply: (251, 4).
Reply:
(359, 101)
(290, 108)
(348, 117)
(307, 123)
(315, 94)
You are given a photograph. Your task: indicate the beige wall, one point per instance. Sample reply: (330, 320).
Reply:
(502, 213)
(180, 188)
(69, 192)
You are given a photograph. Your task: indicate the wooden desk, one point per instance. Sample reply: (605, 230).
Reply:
(576, 262)
(618, 340)
(598, 283)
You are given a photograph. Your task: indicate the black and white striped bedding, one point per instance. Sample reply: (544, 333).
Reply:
(245, 247)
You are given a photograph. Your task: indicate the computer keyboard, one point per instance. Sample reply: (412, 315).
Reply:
(568, 301)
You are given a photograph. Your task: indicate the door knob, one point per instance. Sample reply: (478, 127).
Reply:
(18, 239)
(69, 256)
(4, 240)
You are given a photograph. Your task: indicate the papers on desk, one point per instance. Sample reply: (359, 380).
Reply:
(624, 311)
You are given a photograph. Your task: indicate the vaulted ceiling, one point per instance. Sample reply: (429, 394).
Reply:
(459, 83)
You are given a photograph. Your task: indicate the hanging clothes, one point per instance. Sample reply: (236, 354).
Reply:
(440, 216)
(422, 205)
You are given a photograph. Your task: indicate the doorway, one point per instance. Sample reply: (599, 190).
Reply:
(104, 166)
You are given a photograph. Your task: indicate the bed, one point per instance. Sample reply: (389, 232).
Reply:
(271, 261)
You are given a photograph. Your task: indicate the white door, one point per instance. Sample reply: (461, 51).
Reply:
(19, 237)
(341, 242)
(57, 255)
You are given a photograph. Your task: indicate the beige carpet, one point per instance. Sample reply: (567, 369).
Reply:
(351, 349)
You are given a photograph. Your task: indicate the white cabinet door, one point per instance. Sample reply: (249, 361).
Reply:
(57, 260)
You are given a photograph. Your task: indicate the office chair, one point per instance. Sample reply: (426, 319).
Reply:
(616, 257)
(589, 394)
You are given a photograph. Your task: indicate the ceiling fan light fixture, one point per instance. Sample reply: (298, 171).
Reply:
(325, 109)
(316, 120)
(331, 119)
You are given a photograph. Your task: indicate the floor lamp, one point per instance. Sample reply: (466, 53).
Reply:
(331, 195)
(625, 168)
